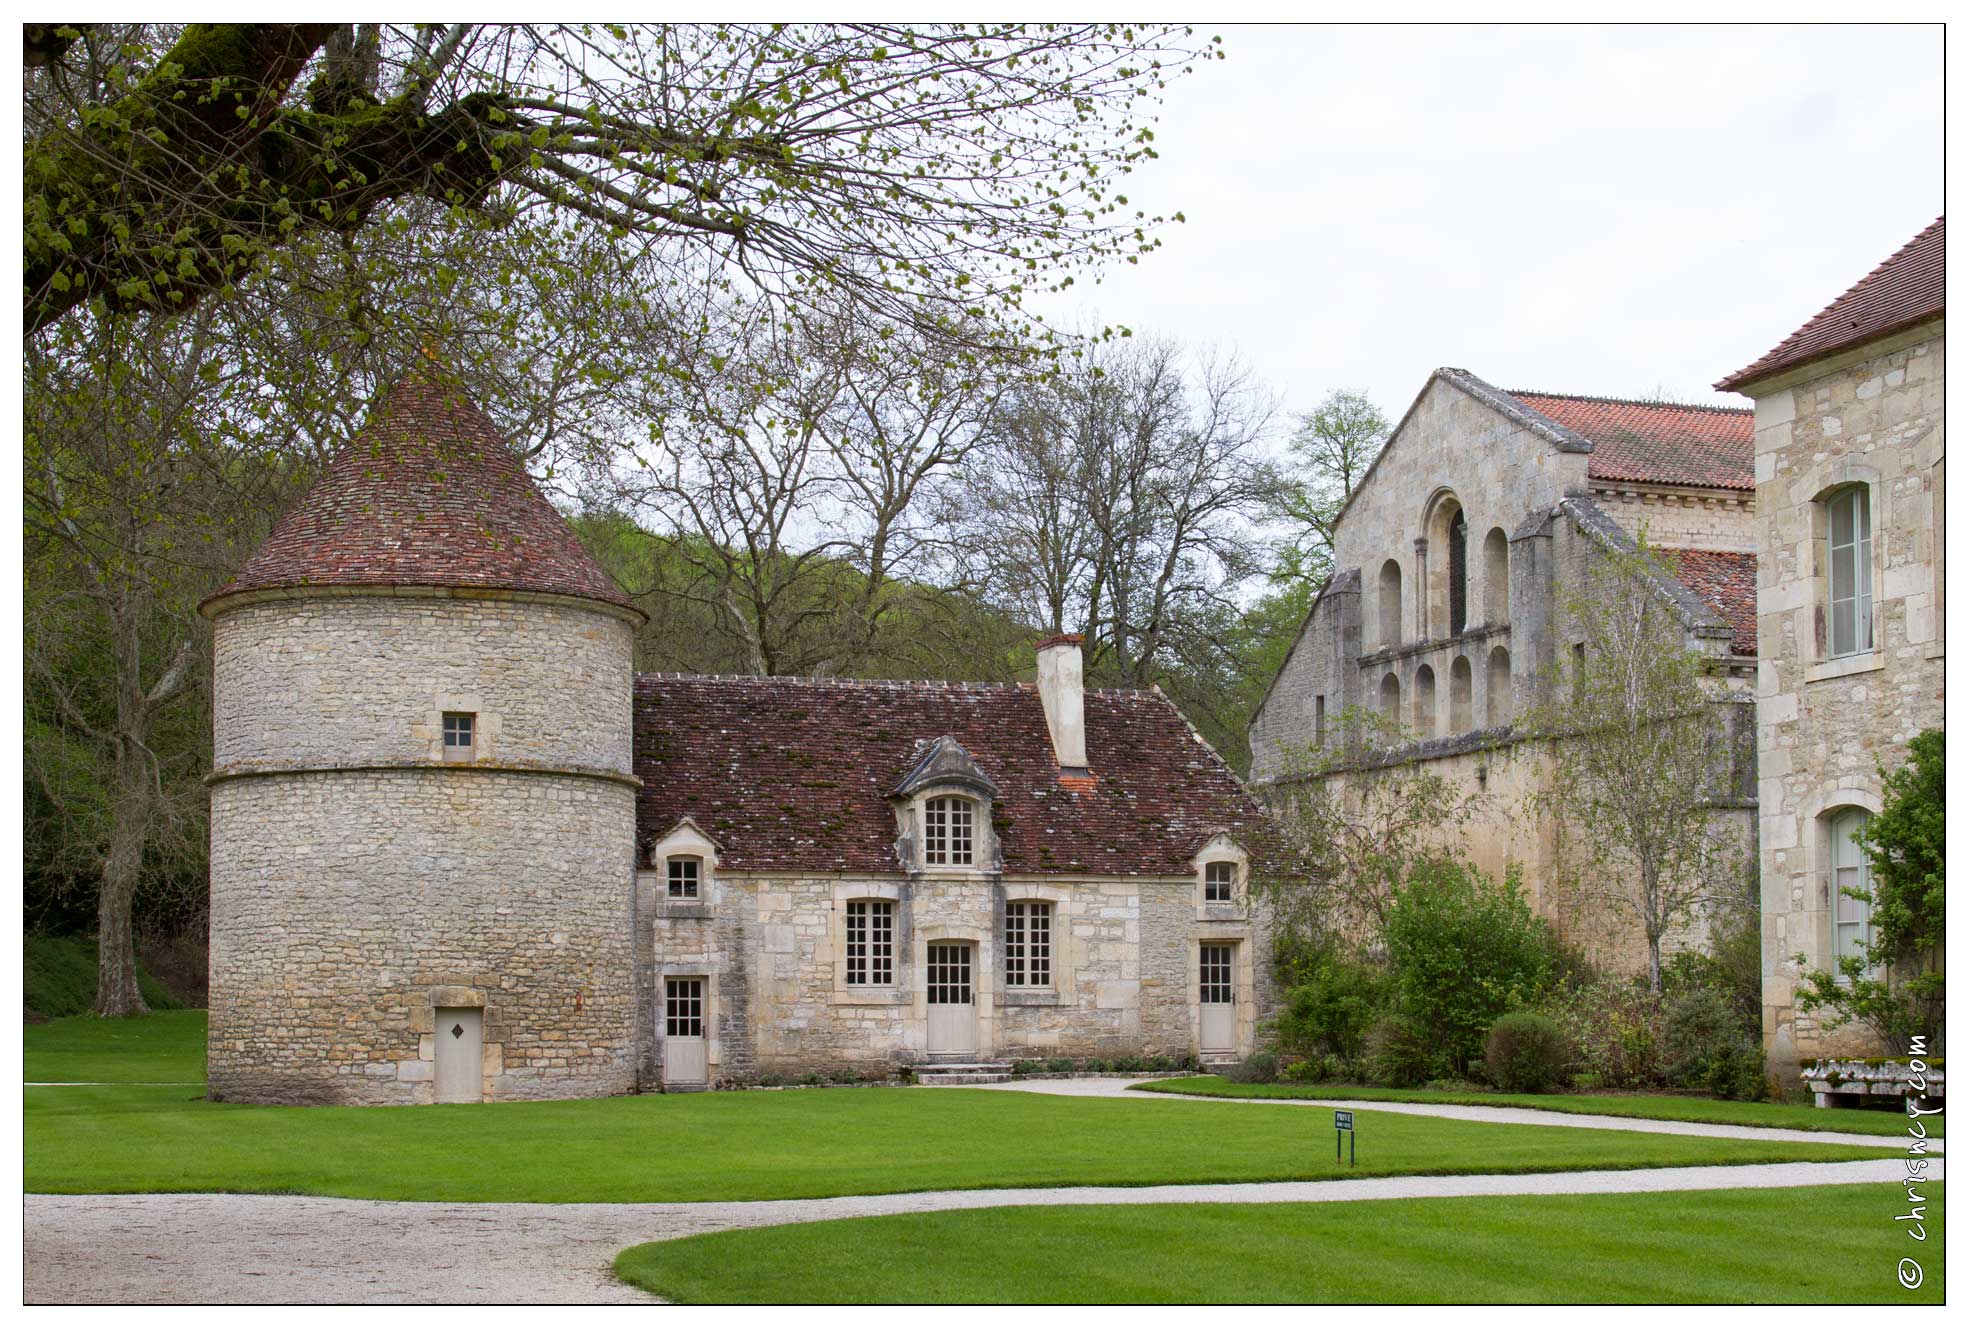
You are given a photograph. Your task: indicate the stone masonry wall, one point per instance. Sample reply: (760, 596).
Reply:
(358, 880)
(342, 900)
(1683, 520)
(1825, 725)
(330, 680)
(1124, 968)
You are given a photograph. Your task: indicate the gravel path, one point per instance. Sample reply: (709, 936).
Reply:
(281, 1248)
(1098, 1088)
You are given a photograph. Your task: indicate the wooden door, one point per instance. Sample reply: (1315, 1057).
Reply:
(460, 1072)
(685, 1058)
(953, 1021)
(1217, 996)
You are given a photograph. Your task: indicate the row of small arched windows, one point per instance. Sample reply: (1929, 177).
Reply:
(1429, 717)
(1452, 589)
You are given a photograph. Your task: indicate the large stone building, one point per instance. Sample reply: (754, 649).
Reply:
(1454, 561)
(459, 851)
(1849, 454)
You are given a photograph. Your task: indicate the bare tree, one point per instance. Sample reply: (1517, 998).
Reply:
(1355, 822)
(931, 173)
(1121, 498)
(1639, 755)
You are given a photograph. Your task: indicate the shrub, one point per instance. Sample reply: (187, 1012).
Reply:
(1697, 1026)
(1401, 1054)
(1738, 1072)
(1614, 1026)
(771, 1081)
(1096, 1064)
(1128, 1065)
(1028, 1067)
(1464, 948)
(1315, 1070)
(1331, 1006)
(1258, 1068)
(1526, 1053)
(1059, 1065)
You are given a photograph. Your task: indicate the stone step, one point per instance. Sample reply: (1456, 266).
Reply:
(939, 1077)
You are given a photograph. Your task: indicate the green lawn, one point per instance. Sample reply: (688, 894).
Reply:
(1659, 1107)
(739, 1146)
(162, 1046)
(1705, 1246)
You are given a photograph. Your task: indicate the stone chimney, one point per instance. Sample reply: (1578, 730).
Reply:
(1060, 693)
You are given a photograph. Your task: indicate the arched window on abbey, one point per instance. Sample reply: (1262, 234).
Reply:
(1425, 702)
(1497, 689)
(1388, 597)
(1444, 607)
(1497, 577)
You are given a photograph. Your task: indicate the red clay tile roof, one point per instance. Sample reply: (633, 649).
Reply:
(1656, 442)
(1905, 290)
(789, 774)
(426, 494)
(1727, 583)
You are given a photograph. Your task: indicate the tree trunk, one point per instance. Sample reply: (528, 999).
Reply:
(116, 952)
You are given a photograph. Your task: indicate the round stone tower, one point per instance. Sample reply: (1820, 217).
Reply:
(423, 820)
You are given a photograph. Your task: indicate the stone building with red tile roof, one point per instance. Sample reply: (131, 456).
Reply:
(1849, 462)
(1454, 560)
(461, 852)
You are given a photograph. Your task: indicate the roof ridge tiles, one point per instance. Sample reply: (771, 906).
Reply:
(1650, 402)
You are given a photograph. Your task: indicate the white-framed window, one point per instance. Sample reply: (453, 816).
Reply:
(1852, 919)
(685, 873)
(460, 734)
(1219, 882)
(948, 832)
(1028, 944)
(1849, 571)
(871, 943)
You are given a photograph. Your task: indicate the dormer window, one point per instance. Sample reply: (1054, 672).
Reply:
(1219, 879)
(684, 874)
(460, 735)
(948, 824)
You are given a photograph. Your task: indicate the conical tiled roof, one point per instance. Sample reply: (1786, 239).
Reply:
(427, 494)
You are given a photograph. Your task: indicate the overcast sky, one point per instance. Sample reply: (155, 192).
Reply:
(1620, 211)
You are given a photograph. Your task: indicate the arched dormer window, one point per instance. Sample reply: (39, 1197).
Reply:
(949, 831)
(1222, 869)
(943, 810)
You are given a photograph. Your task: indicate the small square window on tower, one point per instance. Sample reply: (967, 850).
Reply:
(460, 735)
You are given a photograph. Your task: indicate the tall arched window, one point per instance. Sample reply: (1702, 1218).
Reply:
(1459, 696)
(1852, 874)
(1459, 573)
(1388, 598)
(1391, 697)
(1497, 576)
(1849, 570)
(1497, 688)
(1425, 702)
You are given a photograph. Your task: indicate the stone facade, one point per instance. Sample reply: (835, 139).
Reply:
(1385, 633)
(361, 881)
(1124, 967)
(1870, 416)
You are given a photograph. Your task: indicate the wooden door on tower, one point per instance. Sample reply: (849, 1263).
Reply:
(953, 1019)
(685, 1057)
(459, 1038)
(1217, 998)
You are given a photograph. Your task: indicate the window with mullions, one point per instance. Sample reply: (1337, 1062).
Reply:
(1849, 547)
(1028, 944)
(684, 878)
(947, 831)
(871, 943)
(1852, 887)
(1219, 879)
(460, 733)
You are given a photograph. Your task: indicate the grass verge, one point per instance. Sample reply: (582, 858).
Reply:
(164, 1046)
(1655, 1107)
(1700, 1246)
